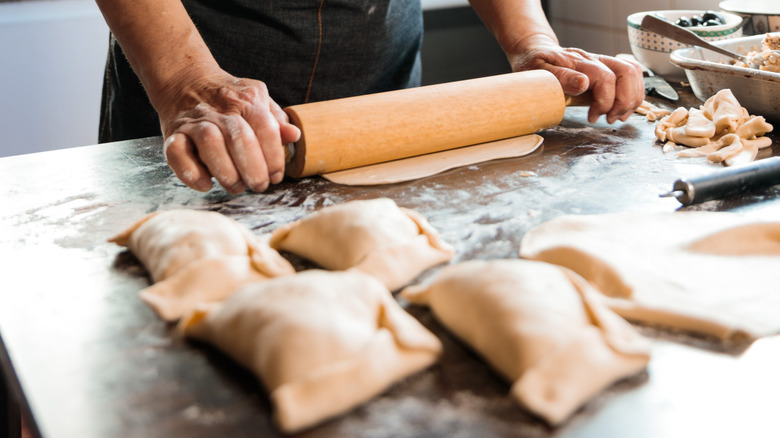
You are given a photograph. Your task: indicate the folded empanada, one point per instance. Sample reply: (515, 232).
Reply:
(197, 256)
(377, 237)
(320, 342)
(713, 273)
(539, 327)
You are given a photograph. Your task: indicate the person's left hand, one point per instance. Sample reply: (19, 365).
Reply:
(617, 84)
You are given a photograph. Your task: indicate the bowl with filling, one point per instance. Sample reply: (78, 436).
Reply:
(756, 86)
(653, 50)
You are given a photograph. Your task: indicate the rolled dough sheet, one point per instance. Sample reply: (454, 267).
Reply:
(421, 166)
(713, 273)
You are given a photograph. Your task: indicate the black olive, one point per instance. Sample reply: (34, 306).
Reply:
(712, 15)
(712, 23)
(696, 20)
(683, 22)
(660, 16)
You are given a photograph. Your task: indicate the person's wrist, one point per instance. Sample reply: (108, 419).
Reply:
(532, 42)
(184, 87)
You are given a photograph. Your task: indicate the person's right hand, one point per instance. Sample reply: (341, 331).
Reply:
(617, 85)
(217, 125)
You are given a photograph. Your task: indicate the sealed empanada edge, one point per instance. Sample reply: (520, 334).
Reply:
(123, 237)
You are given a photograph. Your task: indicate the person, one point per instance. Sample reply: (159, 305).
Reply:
(208, 71)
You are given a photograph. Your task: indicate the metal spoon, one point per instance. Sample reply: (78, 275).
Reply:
(685, 36)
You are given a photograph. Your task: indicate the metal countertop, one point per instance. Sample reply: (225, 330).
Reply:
(89, 359)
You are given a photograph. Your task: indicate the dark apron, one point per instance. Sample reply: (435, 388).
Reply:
(352, 47)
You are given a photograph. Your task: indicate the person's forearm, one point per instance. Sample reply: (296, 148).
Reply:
(512, 22)
(160, 42)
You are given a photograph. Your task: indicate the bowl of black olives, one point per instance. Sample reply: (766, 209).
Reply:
(705, 19)
(653, 50)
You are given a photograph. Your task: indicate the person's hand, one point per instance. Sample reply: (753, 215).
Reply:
(616, 84)
(217, 125)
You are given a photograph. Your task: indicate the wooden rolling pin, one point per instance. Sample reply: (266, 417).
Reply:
(358, 131)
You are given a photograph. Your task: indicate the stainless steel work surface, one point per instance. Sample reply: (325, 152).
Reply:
(89, 359)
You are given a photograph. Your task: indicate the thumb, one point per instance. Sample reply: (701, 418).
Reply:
(289, 132)
(573, 82)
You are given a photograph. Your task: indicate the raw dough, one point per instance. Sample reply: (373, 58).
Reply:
(651, 111)
(540, 326)
(721, 129)
(699, 125)
(375, 236)
(430, 164)
(320, 342)
(706, 272)
(197, 256)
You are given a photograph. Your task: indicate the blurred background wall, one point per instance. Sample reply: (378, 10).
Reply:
(52, 55)
(600, 25)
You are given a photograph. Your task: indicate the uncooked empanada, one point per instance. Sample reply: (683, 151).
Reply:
(320, 342)
(539, 326)
(197, 256)
(713, 273)
(377, 237)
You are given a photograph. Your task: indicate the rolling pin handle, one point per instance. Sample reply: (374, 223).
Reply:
(289, 152)
(679, 194)
(730, 181)
(584, 99)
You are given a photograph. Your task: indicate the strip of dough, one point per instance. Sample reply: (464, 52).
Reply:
(652, 112)
(539, 326)
(422, 166)
(725, 111)
(320, 342)
(666, 269)
(720, 129)
(699, 125)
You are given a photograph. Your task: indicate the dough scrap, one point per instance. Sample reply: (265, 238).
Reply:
(699, 125)
(320, 342)
(712, 273)
(652, 112)
(540, 326)
(720, 129)
(374, 236)
(422, 166)
(197, 256)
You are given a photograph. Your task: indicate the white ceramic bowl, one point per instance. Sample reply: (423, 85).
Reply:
(709, 72)
(653, 50)
(761, 16)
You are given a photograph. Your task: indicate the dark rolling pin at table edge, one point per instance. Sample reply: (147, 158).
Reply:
(722, 183)
(370, 129)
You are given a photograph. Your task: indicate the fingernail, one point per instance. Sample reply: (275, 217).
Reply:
(238, 187)
(203, 185)
(277, 177)
(579, 83)
(258, 187)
